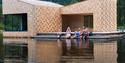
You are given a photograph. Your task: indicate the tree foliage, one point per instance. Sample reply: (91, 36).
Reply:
(121, 13)
(1, 16)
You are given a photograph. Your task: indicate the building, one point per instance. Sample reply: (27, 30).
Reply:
(26, 18)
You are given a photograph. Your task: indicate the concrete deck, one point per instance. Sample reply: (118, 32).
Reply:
(96, 35)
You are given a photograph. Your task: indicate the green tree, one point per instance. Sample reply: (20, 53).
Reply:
(121, 13)
(1, 16)
(1, 36)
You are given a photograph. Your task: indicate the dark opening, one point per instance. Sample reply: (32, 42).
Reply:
(77, 21)
(88, 21)
(15, 22)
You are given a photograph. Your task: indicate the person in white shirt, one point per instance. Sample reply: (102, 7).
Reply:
(68, 33)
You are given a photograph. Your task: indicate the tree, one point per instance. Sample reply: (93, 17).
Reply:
(121, 13)
(1, 16)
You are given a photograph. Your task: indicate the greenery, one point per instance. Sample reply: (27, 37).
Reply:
(1, 46)
(1, 35)
(121, 14)
(1, 17)
(1, 26)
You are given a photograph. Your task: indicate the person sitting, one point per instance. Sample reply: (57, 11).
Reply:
(88, 32)
(76, 35)
(82, 32)
(68, 33)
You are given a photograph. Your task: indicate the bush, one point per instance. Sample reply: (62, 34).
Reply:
(1, 26)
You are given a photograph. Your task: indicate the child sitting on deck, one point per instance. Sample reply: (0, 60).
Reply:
(76, 35)
(82, 32)
(88, 32)
(68, 33)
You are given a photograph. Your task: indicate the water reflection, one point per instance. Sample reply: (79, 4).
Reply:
(18, 53)
(105, 52)
(77, 47)
(48, 52)
(1, 48)
(63, 51)
(79, 51)
(121, 51)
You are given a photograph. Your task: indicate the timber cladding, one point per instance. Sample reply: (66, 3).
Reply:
(104, 13)
(49, 19)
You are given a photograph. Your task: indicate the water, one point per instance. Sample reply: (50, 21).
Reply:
(22, 50)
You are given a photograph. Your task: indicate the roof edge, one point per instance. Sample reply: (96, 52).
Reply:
(42, 3)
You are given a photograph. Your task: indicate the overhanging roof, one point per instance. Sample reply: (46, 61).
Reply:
(42, 3)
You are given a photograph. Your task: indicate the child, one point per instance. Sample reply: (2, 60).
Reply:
(77, 35)
(68, 33)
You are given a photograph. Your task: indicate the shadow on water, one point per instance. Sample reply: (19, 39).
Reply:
(64, 51)
(121, 51)
(1, 48)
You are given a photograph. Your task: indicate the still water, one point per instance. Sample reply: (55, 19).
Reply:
(22, 50)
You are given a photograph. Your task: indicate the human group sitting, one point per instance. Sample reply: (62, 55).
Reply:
(81, 33)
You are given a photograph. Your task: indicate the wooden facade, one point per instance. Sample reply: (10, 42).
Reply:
(47, 18)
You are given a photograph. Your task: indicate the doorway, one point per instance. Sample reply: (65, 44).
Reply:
(76, 21)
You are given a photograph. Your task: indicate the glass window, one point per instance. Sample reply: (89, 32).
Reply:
(88, 21)
(15, 22)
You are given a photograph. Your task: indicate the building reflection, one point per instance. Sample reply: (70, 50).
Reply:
(15, 52)
(32, 51)
(48, 52)
(18, 53)
(75, 49)
(63, 51)
(105, 52)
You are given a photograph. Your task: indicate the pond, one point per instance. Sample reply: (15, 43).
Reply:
(22, 50)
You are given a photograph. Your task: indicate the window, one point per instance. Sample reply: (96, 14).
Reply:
(88, 21)
(15, 22)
